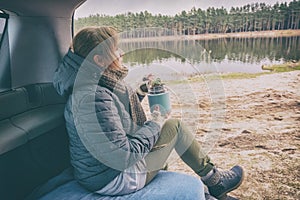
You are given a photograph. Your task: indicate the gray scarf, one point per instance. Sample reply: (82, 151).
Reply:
(113, 80)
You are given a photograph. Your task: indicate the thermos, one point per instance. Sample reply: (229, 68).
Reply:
(159, 96)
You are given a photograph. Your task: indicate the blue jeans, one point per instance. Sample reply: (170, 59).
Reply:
(159, 184)
(164, 186)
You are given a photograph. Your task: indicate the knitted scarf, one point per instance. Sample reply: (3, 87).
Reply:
(113, 80)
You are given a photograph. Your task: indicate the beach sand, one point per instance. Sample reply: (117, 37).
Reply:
(209, 36)
(258, 128)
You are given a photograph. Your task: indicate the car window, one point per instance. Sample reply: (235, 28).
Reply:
(5, 80)
(3, 18)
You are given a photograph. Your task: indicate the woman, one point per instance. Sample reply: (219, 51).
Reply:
(114, 149)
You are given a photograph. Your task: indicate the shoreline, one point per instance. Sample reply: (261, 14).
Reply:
(210, 36)
(261, 123)
(287, 66)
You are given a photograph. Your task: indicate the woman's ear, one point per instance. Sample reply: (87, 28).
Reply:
(99, 60)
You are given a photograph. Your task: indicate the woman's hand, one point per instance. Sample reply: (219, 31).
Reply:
(142, 90)
(149, 77)
(157, 117)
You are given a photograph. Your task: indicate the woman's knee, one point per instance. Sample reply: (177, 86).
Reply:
(169, 131)
(183, 134)
(171, 124)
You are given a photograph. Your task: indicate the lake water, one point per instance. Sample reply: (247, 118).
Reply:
(209, 56)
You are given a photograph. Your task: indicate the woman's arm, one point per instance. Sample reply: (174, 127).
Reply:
(104, 136)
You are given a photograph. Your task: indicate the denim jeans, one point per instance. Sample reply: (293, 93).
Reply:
(175, 135)
(165, 186)
(159, 184)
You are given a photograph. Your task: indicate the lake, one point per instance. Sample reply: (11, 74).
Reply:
(187, 57)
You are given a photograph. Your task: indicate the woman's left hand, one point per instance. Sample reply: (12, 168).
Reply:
(143, 88)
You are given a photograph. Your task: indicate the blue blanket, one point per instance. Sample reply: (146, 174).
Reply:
(165, 186)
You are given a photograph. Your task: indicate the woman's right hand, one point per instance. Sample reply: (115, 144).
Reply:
(157, 117)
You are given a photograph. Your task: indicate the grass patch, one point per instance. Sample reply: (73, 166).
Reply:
(191, 79)
(242, 75)
(208, 77)
(285, 67)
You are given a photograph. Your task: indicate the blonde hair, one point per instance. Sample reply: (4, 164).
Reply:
(103, 41)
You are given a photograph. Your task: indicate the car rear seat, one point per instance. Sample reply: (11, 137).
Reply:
(33, 139)
(34, 155)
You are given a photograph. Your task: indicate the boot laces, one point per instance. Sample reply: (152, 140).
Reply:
(227, 174)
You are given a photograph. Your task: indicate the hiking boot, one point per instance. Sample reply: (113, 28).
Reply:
(207, 195)
(225, 197)
(219, 182)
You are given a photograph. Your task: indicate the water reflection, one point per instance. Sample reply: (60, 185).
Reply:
(224, 55)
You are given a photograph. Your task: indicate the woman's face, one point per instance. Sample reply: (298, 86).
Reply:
(119, 53)
(114, 62)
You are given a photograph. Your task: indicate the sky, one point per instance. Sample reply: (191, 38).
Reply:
(166, 7)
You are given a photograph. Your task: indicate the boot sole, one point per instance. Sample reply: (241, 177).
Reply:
(224, 195)
(227, 197)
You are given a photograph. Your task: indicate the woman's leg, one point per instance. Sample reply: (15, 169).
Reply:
(176, 135)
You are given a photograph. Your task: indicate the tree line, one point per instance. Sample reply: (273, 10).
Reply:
(250, 17)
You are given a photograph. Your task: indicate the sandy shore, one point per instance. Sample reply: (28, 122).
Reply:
(260, 131)
(253, 34)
